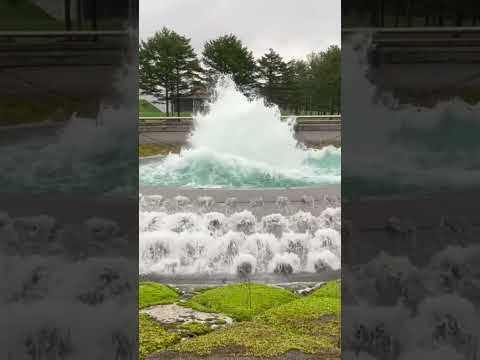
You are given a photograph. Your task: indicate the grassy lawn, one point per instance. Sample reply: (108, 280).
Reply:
(157, 149)
(153, 337)
(240, 301)
(331, 289)
(147, 109)
(310, 324)
(151, 293)
(277, 322)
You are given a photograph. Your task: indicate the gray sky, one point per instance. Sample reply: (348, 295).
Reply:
(294, 28)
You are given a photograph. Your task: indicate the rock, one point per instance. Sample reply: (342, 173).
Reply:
(172, 313)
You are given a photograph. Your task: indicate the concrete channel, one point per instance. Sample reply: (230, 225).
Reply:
(310, 130)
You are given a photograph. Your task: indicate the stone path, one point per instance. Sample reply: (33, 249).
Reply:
(173, 313)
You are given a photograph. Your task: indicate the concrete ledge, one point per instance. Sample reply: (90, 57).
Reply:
(324, 196)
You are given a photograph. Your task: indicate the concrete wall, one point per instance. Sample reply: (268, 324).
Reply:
(180, 137)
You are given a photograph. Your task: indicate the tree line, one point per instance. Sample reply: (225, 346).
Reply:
(169, 70)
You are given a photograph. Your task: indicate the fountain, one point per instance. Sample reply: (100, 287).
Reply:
(242, 223)
(242, 143)
(199, 242)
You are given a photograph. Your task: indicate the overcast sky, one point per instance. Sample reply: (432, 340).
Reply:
(294, 28)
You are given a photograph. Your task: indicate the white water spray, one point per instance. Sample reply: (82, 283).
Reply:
(243, 143)
(194, 242)
(246, 129)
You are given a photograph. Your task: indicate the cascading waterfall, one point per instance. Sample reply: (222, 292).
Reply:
(195, 240)
(243, 143)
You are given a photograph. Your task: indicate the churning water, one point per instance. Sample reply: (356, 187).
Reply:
(243, 143)
(194, 240)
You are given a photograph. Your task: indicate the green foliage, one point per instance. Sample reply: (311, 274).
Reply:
(254, 339)
(240, 302)
(271, 69)
(313, 85)
(331, 289)
(310, 325)
(193, 329)
(151, 293)
(153, 337)
(303, 315)
(168, 67)
(325, 69)
(227, 55)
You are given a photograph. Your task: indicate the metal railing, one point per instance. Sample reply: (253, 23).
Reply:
(315, 118)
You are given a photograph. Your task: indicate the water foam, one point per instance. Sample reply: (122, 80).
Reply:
(191, 242)
(243, 143)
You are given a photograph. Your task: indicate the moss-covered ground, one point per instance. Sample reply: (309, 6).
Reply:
(151, 293)
(270, 322)
(153, 337)
(240, 301)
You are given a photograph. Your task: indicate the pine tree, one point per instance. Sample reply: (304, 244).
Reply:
(271, 69)
(169, 68)
(228, 56)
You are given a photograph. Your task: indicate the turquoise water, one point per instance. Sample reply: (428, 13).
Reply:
(197, 168)
(242, 143)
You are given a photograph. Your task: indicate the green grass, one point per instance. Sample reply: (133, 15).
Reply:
(153, 337)
(157, 149)
(240, 301)
(331, 289)
(147, 109)
(251, 339)
(193, 329)
(277, 322)
(310, 324)
(303, 315)
(151, 293)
